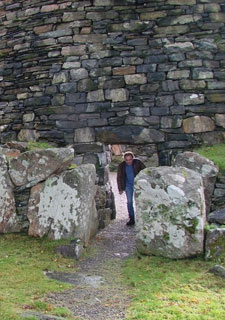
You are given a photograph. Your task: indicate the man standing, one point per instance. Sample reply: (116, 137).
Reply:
(127, 171)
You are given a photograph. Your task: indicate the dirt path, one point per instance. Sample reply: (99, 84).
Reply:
(98, 293)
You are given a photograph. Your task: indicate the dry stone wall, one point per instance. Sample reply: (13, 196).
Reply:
(99, 72)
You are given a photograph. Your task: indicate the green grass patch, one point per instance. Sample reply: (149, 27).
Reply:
(39, 145)
(23, 284)
(173, 289)
(214, 153)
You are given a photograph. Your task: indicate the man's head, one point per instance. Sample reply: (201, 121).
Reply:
(128, 157)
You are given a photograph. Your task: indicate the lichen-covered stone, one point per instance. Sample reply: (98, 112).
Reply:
(8, 219)
(34, 166)
(203, 166)
(215, 244)
(170, 212)
(63, 206)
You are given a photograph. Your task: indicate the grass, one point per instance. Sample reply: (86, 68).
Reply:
(23, 284)
(214, 153)
(168, 289)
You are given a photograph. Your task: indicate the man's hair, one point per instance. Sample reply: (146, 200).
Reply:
(128, 153)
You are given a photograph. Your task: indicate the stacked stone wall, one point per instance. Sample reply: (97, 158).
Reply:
(100, 72)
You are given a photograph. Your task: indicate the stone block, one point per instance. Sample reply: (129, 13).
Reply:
(171, 122)
(74, 50)
(216, 97)
(78, 74)
(172, 30)
(75, 98)
(198, 124)
(117, 95)
(135, 79)
(186, 84)
(178, 74)
(217, 216)
(84, 135)
(118, 71)
(202, 73)
(97, 95)
(206, 168)
(170, 212)
(34, 166)
(73, 16)
(28, 135)
(178, 47)
(164, 101)
(153, 15)
(220, 120)
(76, 216)
(189, 98)
(60, 77)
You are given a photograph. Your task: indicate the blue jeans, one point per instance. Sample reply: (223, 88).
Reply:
(129, 193)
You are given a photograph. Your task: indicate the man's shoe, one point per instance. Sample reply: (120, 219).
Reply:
(130, 223)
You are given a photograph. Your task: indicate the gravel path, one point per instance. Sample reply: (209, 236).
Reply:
(98, 293)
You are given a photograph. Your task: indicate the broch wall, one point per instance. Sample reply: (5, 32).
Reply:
(100, 72)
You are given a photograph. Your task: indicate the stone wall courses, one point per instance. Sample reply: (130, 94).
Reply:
(113, 67)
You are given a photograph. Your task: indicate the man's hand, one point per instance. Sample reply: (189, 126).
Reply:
(120, 192)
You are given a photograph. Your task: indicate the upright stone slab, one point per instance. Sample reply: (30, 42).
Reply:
(205, 167)
(63, 206)
(37, 165)
(170, 212)
(8, 221)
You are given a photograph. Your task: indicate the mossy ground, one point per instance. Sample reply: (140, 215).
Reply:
(214, 153)
(173, 289)
(22, 282)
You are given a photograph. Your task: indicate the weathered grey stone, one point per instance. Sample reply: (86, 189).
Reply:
(74, 50)
(34, 166)
(28, 117)
(84, 135)
(179, 47)
(220, 120)
(97, 95)
(135, 79)
(76, 216)
(189, 98)
(171, 122)
(8, 219)
(186, 84)
(117, 94)
(164, 101)
(202, 73)
(218, 271)
(170, 212)
(28, 135)
(198, 124)
(60, 77)
(217, 216)
(78, 74)
(179, 74)
(215, 244)
(203, 166)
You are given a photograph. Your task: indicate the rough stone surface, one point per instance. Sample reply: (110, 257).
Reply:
(217, 216)
(34, 166)
(8, 219)
(205, 167)
(218, 271)
(76, 215)
(198, 124)
(77, 64)
(215, 244)
(170, 212)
